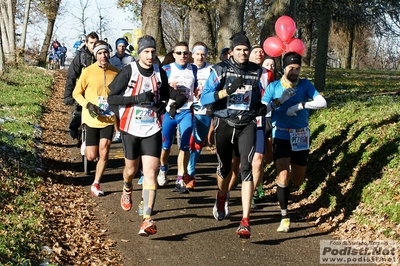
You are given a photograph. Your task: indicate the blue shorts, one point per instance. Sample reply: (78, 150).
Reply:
(260, 139)
(185, 122)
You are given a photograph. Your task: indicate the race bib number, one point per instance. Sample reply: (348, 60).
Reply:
(300, 139)
(104, 108)
(240, 99)
(144, 115)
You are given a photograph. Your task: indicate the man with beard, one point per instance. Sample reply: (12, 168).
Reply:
(234, 90)
(291, 135)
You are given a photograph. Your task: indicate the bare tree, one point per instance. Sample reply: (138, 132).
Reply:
(230, 19)
(202, 29)
(25, 24)
(151, 22)
(7, 28)
(50, 10)
(324, 24)
(2, 64)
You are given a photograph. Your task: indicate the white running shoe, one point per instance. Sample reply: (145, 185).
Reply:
(96, 191)
(162, 178)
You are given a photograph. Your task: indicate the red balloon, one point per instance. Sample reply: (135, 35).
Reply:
(273, 46)
(285, 28)
(296, 45)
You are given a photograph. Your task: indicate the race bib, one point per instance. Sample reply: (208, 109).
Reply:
(104, 108)
(240, 99)
(144, 115)
(185, 91)
(300, 139)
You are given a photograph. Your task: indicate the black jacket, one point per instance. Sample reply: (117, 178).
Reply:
(81, 60)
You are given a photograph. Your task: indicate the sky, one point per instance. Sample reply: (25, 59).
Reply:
(67, 28)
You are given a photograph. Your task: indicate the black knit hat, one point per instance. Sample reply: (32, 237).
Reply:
(146, 42)
(240, 39)
(291, 58)
(255, 46)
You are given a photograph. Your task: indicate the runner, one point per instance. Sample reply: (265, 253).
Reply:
(182, 77)
(140, 93)
(82, 60)
(119, 60)
(291, 135)
(234, 89)
(257, 56)
(201, 121)
(91, 92)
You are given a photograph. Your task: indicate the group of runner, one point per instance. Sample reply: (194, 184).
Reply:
(230, 101)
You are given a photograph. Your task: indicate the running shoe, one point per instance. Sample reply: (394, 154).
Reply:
(244, 228)
(117, 137)
(140, 181)
(190, 181)
(148, 227)
(162, 178)
(140, 209)
(284, 226)
(96, 191)
(126, 200)
(221, 207)
(180, 187)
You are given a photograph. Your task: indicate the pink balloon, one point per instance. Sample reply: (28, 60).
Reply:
(273, 46)
(285, 28)
(296, 45)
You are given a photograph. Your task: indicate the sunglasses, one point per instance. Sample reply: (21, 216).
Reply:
(182, 52)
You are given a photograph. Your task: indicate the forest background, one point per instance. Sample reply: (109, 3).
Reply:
(350, 34)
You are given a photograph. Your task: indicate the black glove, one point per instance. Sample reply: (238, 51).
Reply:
(144, 97)
(69, 101)
(93, 110)
(262, 109)
(172, 110)
(160, 108)
(209, 110)
(236, 83)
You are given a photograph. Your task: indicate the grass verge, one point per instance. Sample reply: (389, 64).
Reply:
(23, 93)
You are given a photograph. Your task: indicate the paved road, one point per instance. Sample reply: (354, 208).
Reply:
(188, 234)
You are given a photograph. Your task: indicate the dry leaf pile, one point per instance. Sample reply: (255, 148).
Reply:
(73, 233)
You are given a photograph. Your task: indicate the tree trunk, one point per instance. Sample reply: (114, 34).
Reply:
(151, 22)
(278, 8)
(25, 25)
(231, 17)
(50, 10)
(2, 64)
(322, 45)
(46, 42)
(307, 38)
(201, 29)
(8, 31)
(350, 48)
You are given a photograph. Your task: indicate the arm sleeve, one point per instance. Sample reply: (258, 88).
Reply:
(79, 91)
(210, 87)
(165, 90)
(118, 85)
(74, 71)
(317, 103)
